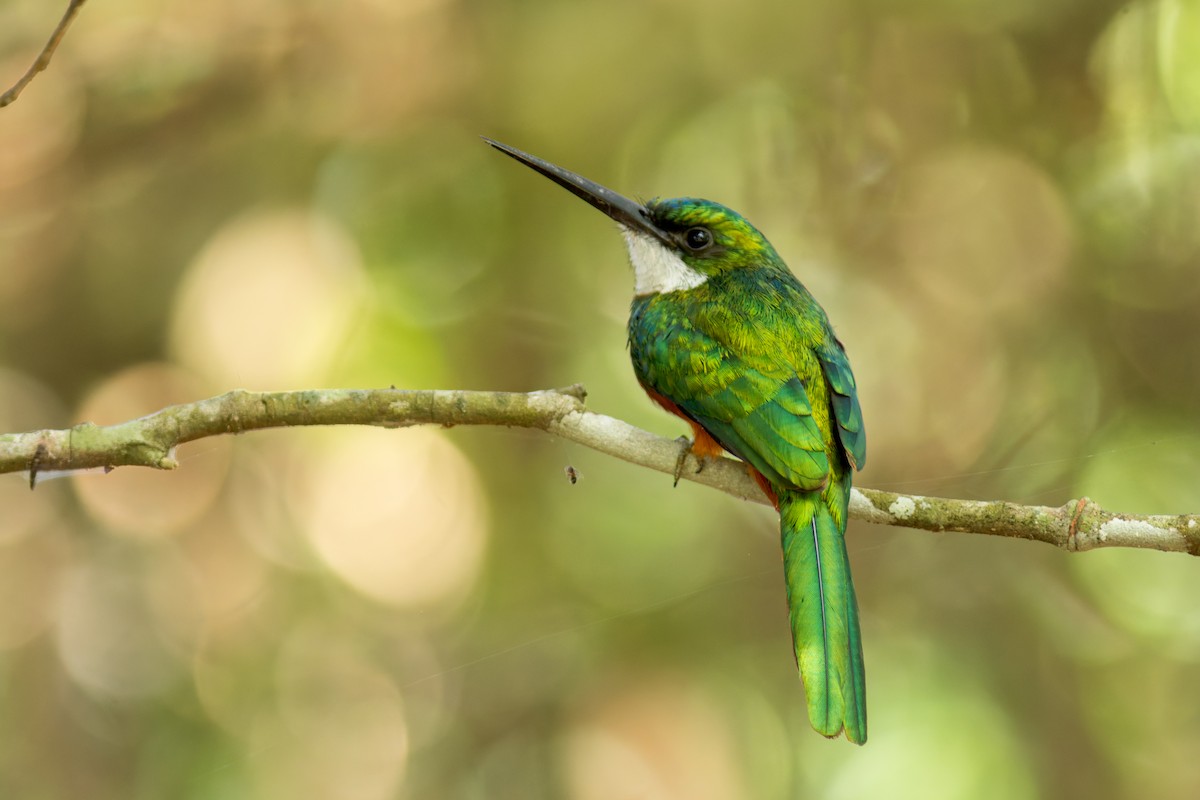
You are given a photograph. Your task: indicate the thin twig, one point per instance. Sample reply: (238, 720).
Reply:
(43, 59)
(151, 440)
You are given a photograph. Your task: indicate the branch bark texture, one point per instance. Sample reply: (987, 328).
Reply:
(150, 441)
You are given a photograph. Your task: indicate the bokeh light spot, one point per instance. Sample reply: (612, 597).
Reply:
(106, 635)
(398, 516)
(1179, 41)
(338, 730)
(982, 228)
(660, 739)
(268, 301)
(146, 503)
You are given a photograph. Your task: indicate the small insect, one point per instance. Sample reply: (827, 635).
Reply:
(572, 475)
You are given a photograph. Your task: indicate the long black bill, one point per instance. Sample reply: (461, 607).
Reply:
(625, 211)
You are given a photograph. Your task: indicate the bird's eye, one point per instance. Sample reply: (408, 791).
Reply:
(698, 238)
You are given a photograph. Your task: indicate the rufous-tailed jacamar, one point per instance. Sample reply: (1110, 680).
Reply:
(724, 336)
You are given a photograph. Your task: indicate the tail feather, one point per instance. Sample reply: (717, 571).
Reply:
(823, 610)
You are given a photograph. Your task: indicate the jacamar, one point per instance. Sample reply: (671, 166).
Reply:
(724, 336)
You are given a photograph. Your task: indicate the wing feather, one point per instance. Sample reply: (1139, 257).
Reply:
(752, 402)
(846, 409)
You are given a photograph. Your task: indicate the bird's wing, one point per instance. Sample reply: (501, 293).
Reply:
(752, 402)
(844, 398)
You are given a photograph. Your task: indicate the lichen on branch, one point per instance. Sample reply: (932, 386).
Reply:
(150, 441)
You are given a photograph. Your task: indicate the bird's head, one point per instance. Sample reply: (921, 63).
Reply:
(674, 244)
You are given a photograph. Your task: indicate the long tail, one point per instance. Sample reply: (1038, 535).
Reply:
(823, 610)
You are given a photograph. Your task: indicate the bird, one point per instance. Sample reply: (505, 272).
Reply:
(723, 335)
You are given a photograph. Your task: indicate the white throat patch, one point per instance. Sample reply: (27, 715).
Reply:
(656, 269)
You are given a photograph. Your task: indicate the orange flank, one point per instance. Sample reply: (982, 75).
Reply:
(703, 445)
(765, 485)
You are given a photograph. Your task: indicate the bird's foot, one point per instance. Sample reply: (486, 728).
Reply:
(687, 447)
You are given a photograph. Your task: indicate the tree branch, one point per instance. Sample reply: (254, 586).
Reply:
(151, 440)
(43, 59)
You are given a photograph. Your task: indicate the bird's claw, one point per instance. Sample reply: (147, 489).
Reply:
(685, 447)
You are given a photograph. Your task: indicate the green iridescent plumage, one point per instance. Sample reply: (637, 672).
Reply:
(750, 356)
(723, 334)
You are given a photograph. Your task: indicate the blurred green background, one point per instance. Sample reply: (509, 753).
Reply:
(997, 203)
